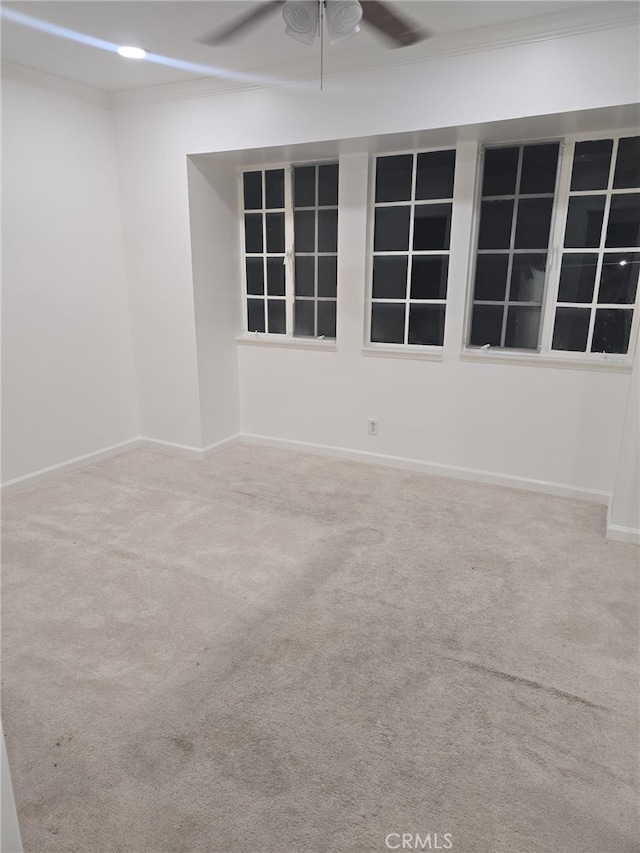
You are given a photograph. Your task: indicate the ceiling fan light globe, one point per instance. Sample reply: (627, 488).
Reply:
(343, 17)
(302, 19)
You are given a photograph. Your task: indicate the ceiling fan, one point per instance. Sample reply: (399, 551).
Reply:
(304, 21)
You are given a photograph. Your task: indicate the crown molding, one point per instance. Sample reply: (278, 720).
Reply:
(581, 21)
(61, 85)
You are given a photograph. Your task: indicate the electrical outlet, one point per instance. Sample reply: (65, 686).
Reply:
(373, 426)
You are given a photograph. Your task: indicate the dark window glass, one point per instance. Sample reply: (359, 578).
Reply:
(304, 225)
(303, 318)
(523, 323)
(391, 230)
(533, 223)
(304, 186)
(434, 176)
(252, 182)
(277, 316)
(491, 277)
(584, 222)
(255, 315)
(275, 276)
(327, 318)
(495, 224)
(387, 323)
(432, 226)
(577, 277)
(571, 329)
(429, 277)
(527, 278)
(389, 277)
(327, 230)
(304, 276)
(619, 278)
(627, 173)
(274, 187)
(612, 329)
(591, 162)
(486, 325)
(327, 275)
(426, 325)
(393, 178)
(252, 233)
(255, 276)
(275, 232)
(539, 167)
(624, 221)
(328, 184)
(500, 171)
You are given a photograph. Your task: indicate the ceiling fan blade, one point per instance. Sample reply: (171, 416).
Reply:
(397, 29)
(241, 24)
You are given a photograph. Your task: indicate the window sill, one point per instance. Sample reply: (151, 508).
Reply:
(402, 351)
(265, 340)
(602, 363)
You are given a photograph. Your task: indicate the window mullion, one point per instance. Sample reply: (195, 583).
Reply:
(556, 245)
(289, 264)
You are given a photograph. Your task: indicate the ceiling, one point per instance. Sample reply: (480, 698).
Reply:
(169, 30)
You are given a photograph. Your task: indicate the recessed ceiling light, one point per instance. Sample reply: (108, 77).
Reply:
(132, 52)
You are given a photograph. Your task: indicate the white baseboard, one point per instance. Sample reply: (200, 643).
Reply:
(70, 465)
(189, 451)
(435, 468)
(617, 533)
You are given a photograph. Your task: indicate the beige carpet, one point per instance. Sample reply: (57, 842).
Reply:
(268, 651)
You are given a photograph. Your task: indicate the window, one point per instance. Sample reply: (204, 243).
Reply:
(516, 208)
(412, 224)
(291, 250)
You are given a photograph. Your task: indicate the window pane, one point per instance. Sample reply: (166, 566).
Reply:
(591, 162)
(276, 315)
(523, 323)
(429, 277)
(584, 222)
(577, 277)
(255, 276)
(253, 233)
(274, 187)
(255, 315)
(495, 224)
(624, 221)
(328, 184)
(304, 226)
(527, 278)
(304, 276)
(486, 325)
(387, 323)
(491, 277)
(390, 277)
(627, 172)
(533, 223)
(500, 171)
(391, 231)
(393, 178)
(303, 317)
(434, 177)
(327, 230)
(275, 232)
(252, 182)
(612, 330)
(432, 226)
(571, 329)
(304, 186)
(426, 325)
(619, 278)
(275, 276)
(539, 167)
(327, 318)
(327, 276)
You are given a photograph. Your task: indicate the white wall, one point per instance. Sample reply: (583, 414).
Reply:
(68, 381)
(557, 426)
(623, 522)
